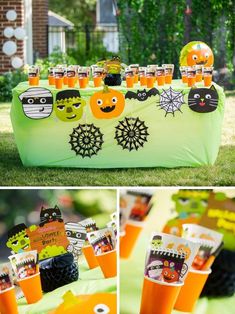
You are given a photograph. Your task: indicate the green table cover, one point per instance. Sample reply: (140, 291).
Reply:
(187, 138)
(132, 271)
(90, 282)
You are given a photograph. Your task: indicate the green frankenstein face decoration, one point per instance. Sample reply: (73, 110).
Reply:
(188, 202)
(18, 240)
(69, 105)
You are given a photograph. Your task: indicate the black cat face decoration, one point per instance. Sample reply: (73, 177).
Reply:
(48, 215)
(203, 100)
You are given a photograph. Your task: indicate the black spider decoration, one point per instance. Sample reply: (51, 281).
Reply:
(86, 140)
(131, 133)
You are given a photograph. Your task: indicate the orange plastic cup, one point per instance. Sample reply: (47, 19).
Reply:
(108, 263)
(128, 241)
(59, 82)
(71, 81)
(51, 80)
(129, 81)
(90, 256)
(136, 78)
(34, 81)
(168, 79)
(82, 82)
(198, 77)
(97, 81)
(32, 288)
(184, 79)
(207, 80)
(160, 80)
(191, 81)
(150, 81)
(191, 290)
(158, 297)
(65, 80)
(143, 81)
(8, 303)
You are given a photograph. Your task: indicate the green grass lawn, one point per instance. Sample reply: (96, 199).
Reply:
(12, 172)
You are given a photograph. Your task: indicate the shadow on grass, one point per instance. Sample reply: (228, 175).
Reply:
(13, 173)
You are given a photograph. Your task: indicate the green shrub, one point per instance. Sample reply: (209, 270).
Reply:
(8, 81)
(56, 57)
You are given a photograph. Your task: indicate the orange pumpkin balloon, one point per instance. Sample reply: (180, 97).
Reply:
(107, 104)
(196, 53)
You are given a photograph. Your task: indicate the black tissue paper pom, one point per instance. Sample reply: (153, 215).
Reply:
(58, 271)
(221, 282)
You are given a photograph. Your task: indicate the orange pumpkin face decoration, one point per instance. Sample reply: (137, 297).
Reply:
(107, 104)
(99, 303)
(183, 249)
(196, 53)
(170, 275)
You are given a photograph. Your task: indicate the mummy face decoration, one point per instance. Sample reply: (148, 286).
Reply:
(37, 103)
(76, 235)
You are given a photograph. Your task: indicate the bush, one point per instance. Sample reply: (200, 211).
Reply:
(56, 57)
(8, 81)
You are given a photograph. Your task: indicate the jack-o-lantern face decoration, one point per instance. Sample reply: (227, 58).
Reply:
(99, 303)
(170, 275)
(183, 249)
(196, 53)
(107, 104)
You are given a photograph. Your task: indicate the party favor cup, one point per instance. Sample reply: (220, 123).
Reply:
(136, 78)
(59, 82)
(90, 256)
(207, 73)
(51, 77)
(128, 241)
(160, 76)
(198, 73)
(135, 69)
(158, 297)
(82, 82)
(129, 81)
(65, 80)
(169, 70)
(71, 81)
(143, 80)
(191, 76)
(51, 80)
(191, 290)
(129, 74)
(32, 288)
(97, 81)
(150, 81)
(34, 81)
(8, 303)
(183, 72)
(108, 263)
(33, 76)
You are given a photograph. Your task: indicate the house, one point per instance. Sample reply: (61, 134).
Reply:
(28, 30)
(57, 26)
(106, 21)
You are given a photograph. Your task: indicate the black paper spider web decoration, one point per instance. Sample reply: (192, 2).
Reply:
(86, 140)
(171, 101)
(131, 133)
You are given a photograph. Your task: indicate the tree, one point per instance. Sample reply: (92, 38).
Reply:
(77, 11)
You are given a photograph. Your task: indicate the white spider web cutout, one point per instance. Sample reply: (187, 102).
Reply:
(171, 101)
